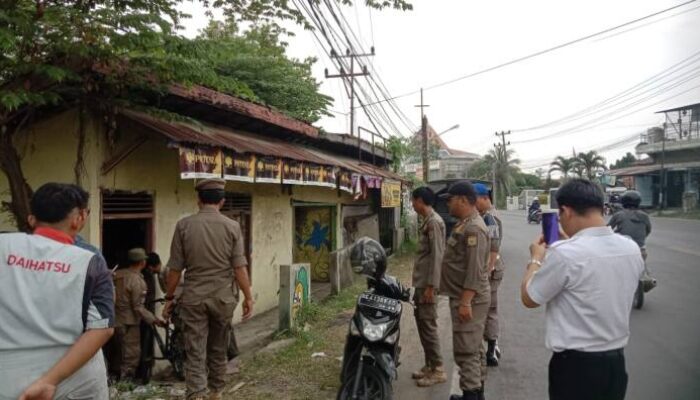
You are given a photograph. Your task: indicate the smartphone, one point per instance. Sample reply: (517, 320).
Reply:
(550, 226)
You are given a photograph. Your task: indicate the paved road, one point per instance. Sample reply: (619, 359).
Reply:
(663, 357)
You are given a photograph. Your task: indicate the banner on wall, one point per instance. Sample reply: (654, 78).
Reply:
(329, 176)
(345, 181)
(391, 194)
(293, 172)
(313, 175)
(239, 166)
(200, 162)
(268, 170)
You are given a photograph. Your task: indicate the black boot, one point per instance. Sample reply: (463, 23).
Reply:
(491, 357)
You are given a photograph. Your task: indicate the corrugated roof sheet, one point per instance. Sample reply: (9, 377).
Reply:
(229, 103)
(242, 142)
(644, 169)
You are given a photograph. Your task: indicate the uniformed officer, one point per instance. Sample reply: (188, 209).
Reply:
(209, 247)
(495, 227)
(129, 308)
(426, 280)
(465, 281)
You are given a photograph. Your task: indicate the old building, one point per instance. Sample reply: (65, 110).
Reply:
(445, 162)
(298, 193)
(670, 176)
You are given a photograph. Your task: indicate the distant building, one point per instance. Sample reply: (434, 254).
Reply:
(674, 153)
(450, 163)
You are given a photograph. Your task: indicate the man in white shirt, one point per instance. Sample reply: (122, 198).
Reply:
(588, 284)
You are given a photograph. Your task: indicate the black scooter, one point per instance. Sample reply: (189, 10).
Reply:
(371, 355)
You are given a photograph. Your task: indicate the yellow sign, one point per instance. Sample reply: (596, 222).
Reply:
(391, 194)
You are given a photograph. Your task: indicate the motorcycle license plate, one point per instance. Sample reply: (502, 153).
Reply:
(378, 302)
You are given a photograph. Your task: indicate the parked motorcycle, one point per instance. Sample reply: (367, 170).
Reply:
(371, 355)
(534, 216)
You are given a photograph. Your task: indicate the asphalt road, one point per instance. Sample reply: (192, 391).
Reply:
(663, 356)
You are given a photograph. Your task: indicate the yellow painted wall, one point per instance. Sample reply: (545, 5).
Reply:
(49, 152)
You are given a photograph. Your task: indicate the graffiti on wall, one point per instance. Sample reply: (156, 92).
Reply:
(314, 240)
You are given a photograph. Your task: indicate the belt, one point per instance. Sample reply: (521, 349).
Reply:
(590, 354)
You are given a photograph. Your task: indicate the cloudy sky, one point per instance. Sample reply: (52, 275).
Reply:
(441, 40)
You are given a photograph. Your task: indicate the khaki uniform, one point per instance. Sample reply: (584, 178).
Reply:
(496, 234)
(208, 246)
(426, 272)
(129, 310)
(465, 266)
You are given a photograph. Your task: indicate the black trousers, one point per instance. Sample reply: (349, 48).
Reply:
(575, 375)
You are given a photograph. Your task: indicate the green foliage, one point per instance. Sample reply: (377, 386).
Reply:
(564, 165)
(626, 161)
(590, 164)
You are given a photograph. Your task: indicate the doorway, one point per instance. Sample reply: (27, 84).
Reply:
(314, 238)
(127, 222)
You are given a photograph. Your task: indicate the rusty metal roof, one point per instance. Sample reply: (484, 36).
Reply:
(243, 142)
(225, 102)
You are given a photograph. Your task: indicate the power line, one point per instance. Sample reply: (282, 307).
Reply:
(592, 109)
(587, 125)
(541, 52)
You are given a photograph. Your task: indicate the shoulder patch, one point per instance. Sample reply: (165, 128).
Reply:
(471, 240)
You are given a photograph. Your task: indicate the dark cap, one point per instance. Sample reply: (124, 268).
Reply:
(481, 189)
(461, 188)
(210, 184)
(136, 255)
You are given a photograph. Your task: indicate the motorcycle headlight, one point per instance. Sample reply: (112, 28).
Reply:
(373, 332)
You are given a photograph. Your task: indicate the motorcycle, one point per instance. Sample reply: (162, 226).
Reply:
(371, 354)
(534, 216)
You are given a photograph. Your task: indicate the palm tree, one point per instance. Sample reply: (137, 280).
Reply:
(505, 165)
(564, 165)
(590, 163)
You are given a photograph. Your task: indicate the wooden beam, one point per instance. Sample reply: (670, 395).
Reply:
(120, 156)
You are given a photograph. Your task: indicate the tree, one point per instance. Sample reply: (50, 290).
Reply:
(563, 165)
(399, 148)
(504, 167)
(590, 163)
(99, 55)
(626, 161)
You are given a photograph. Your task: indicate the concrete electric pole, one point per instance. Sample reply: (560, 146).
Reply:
(424, 138)
(349, 78)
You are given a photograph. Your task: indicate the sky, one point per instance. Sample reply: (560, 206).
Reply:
(440, 40)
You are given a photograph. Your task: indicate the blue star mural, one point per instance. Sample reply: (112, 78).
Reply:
(319, 237)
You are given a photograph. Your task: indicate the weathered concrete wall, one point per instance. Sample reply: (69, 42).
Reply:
(49, 153)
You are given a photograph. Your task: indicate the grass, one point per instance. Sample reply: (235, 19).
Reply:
(291, 372)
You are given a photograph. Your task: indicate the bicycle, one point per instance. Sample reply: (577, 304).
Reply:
(171, 345)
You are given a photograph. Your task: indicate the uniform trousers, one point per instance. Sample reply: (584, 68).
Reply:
(130, 343)
(467, 344)
(426, 321)
(206, 329)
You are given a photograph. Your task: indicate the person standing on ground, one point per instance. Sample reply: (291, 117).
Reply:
(56, 304)
(588, 283)
(130, 310)
(495, 227)
(209, 247)
(426, 280)
(150, 274)
(465, 281)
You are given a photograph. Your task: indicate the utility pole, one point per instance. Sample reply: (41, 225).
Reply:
(349, 79)
(424, 138)
(504, 148)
